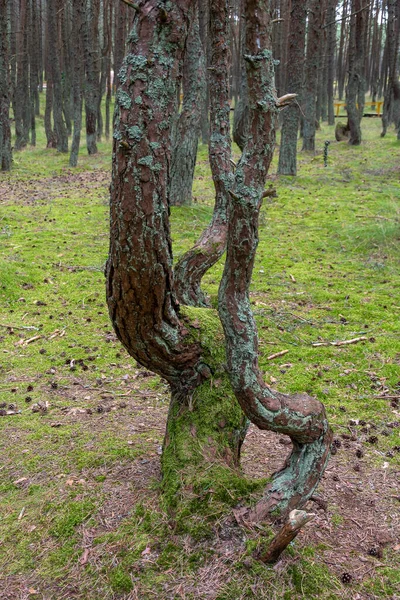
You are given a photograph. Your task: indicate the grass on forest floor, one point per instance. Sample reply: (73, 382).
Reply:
(79, 516)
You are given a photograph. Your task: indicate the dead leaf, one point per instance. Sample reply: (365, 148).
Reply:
(146, 551)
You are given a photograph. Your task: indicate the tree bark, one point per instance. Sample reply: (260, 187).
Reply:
(78, 12)
(314, 40)
(295, 68)
(391, 106)
(92, 55)
(188, 127)
(5, 130)
(355, 93)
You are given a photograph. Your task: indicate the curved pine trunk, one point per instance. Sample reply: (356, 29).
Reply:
(299, 416)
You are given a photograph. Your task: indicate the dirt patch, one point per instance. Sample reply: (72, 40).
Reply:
(357, 503)
(41, 191)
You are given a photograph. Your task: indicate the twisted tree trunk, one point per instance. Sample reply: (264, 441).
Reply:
(300, 416)
(206, 426)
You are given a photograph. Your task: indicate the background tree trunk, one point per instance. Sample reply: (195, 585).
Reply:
(331, 49)
(240, 116)
(22, 98)
(355, 95)
(211, 245)
(78, 12)
(341, 62)
(314, 40)
(295, 68)
(5, 130)
(391, 107)
(53, 50)
(188, 127)
(92, 59)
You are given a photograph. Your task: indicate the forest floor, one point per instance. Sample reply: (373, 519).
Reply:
(82, 424)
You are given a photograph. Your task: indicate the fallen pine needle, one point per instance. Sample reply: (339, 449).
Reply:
(281, 353)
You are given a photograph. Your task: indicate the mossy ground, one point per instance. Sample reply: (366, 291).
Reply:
(80, 515)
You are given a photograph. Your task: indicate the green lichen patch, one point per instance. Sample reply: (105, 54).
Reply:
(123, 99)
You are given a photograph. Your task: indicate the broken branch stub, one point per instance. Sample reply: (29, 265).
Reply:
(297, 520)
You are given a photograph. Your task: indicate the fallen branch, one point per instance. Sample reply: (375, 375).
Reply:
(342, 343)
(297, 520)
(281, 353)
(29, 328)
(29, 341)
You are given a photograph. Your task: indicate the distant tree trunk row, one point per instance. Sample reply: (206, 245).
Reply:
(73, 50)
